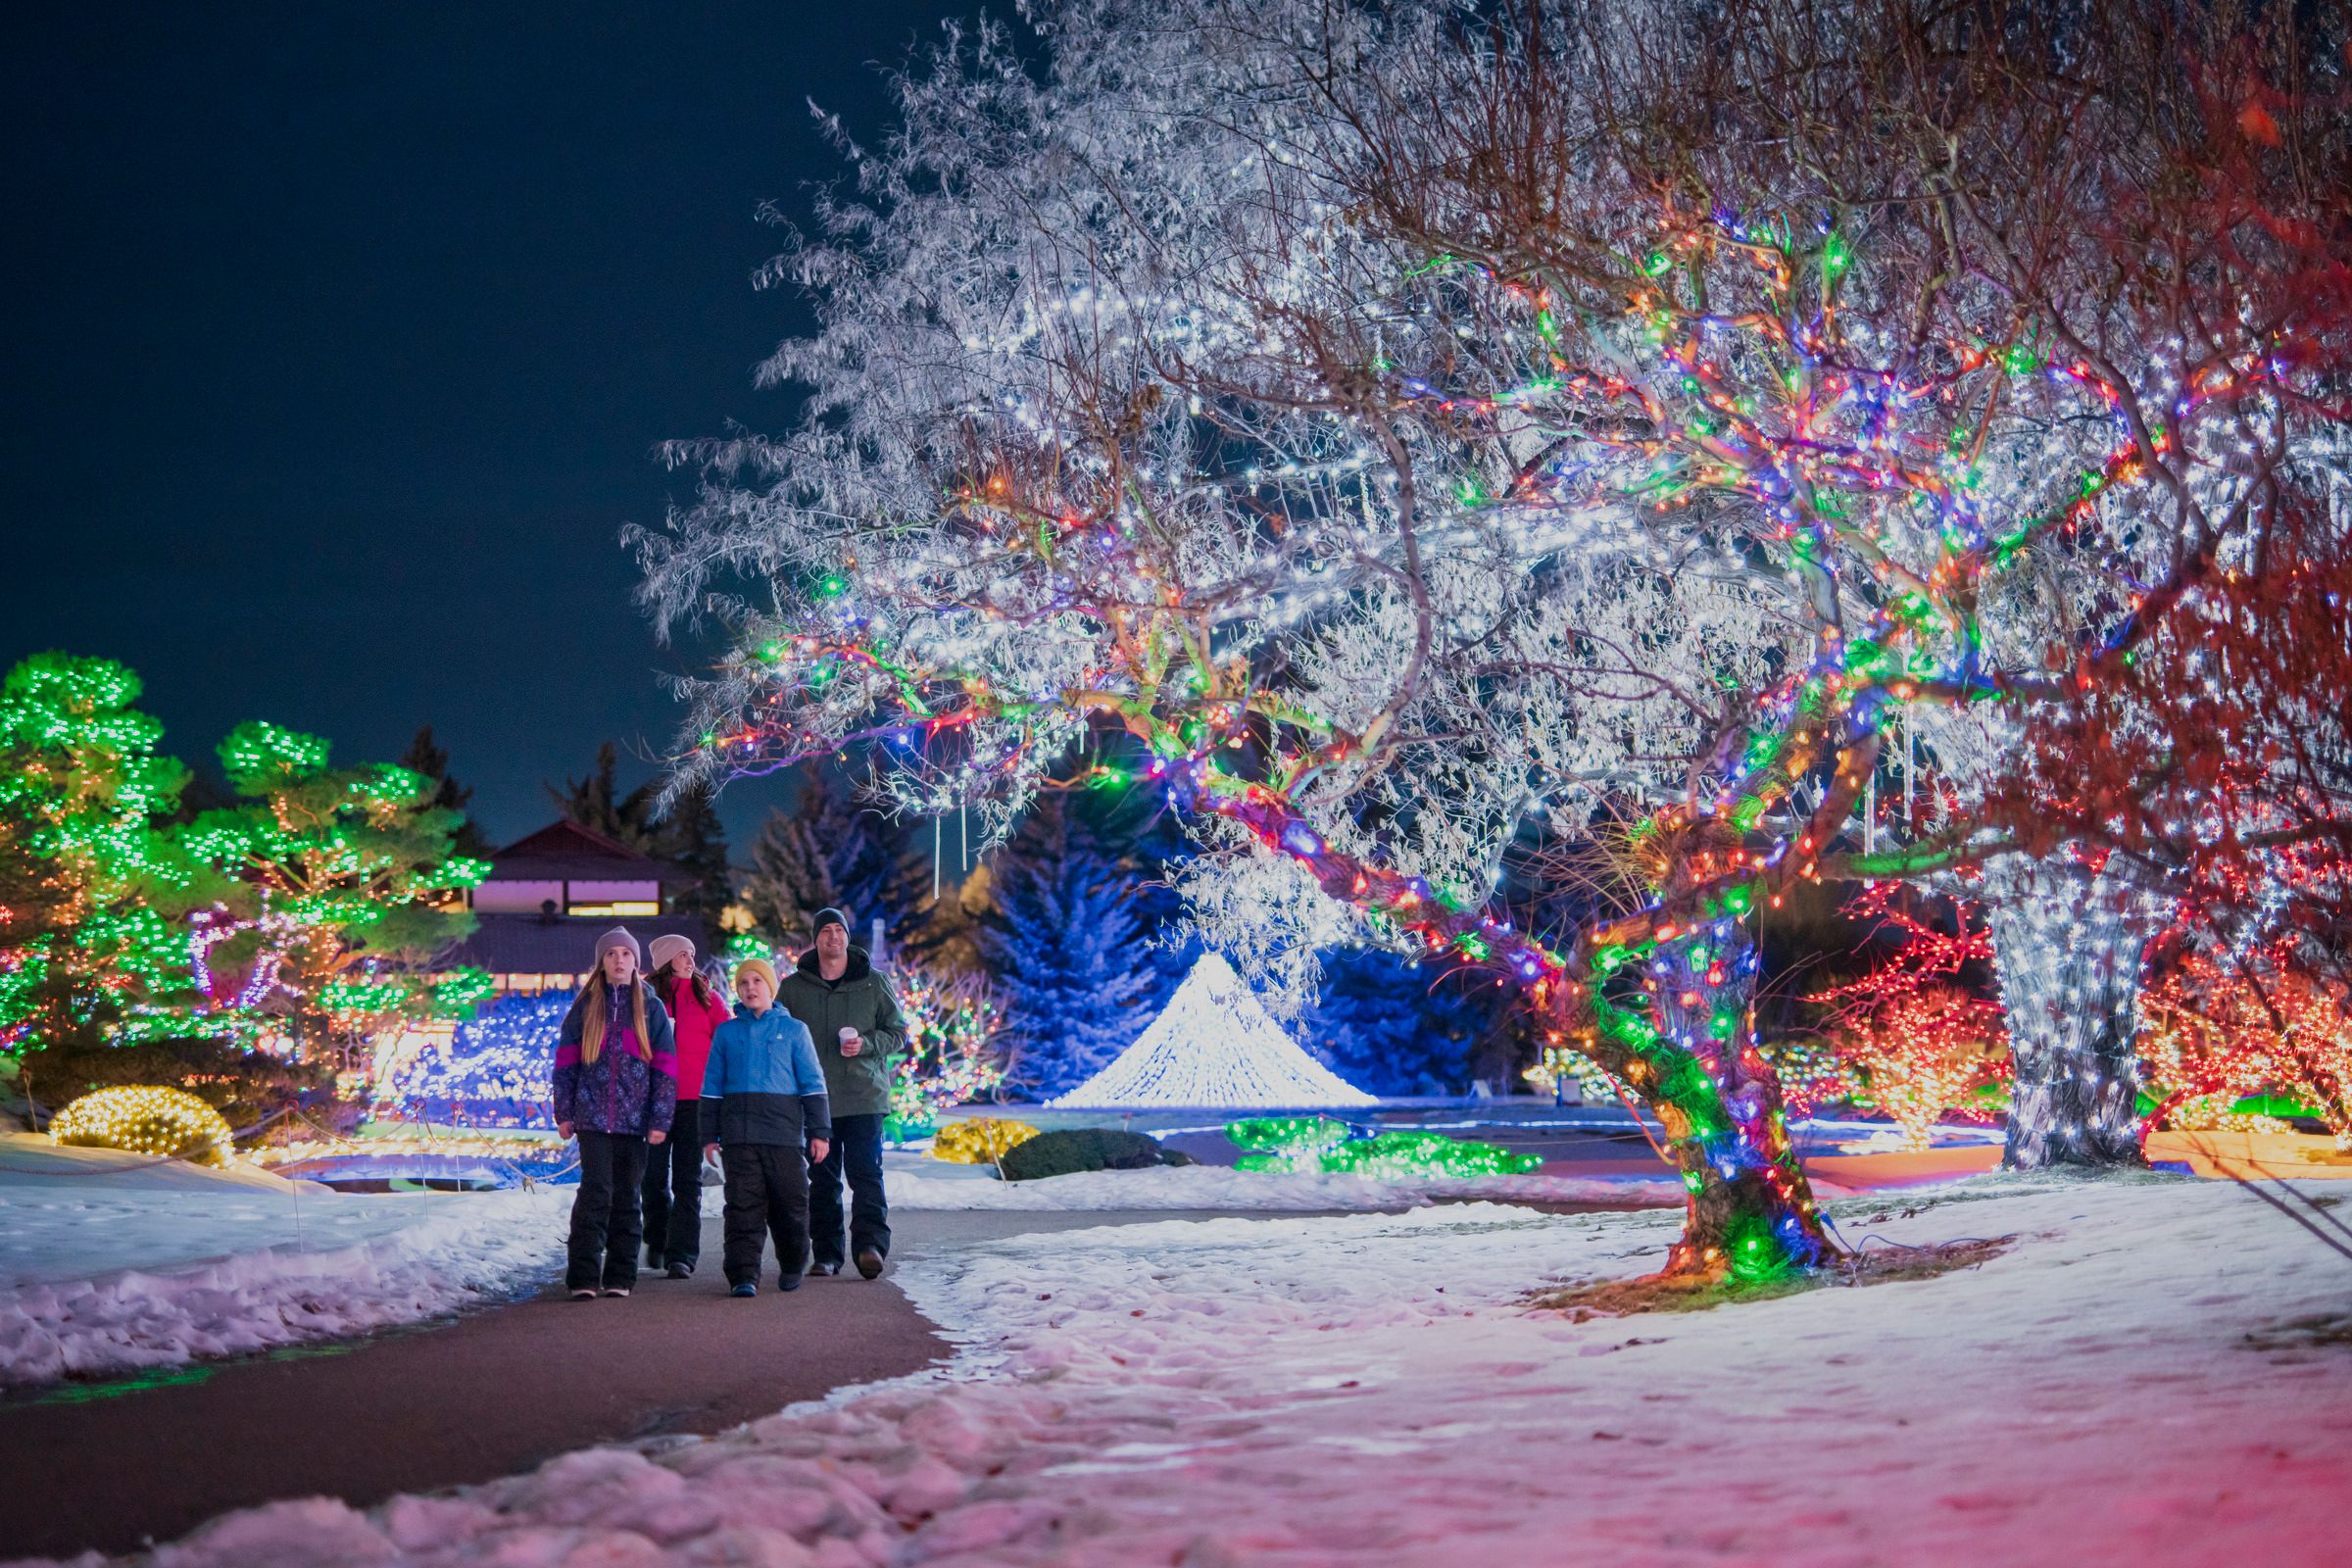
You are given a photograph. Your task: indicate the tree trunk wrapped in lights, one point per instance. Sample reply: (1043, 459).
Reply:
(1663, 1006)
(1750, 1209)
(2069, 953)
(2216, 766)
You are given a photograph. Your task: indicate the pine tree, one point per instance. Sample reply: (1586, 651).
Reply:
(822, 853)
(1149, 846)
(792, 873)
(595, 803)
(1066, 951)
(934, 898)
(34, 901)
(1381, 1025)
(689, 835)
(348, 880)
(430, 759)
(93, 947)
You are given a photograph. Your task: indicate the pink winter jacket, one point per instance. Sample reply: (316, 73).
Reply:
(694, 1019)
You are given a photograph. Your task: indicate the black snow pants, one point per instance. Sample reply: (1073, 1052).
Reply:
(767, 1196)
(607, 1228)
(857, 1152)
(673, 1188)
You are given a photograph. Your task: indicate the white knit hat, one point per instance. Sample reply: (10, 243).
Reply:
(666, 948)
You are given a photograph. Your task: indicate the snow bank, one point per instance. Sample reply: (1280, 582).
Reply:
(2150, 1374)
(1204, 1187)
(70, 1213)
(109, 1263)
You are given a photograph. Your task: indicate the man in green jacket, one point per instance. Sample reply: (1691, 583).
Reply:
(859, 1030)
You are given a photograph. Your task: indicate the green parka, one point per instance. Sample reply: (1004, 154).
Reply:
(861, 999)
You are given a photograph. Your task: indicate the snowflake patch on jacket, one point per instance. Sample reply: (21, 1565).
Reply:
(620, 1091)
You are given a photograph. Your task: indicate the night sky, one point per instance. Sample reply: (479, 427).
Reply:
(341, 336)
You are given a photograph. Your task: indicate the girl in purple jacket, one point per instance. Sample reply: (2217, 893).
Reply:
(616, 1087)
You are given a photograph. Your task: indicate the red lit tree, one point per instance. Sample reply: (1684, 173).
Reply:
(1922, 1055)
(1911, 1036)
(2220, 1031)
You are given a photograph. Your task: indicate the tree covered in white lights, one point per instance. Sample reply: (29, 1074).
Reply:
(1386, 432)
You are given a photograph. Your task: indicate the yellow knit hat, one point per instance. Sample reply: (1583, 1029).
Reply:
(760, 967)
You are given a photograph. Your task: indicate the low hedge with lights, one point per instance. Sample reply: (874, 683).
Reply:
(1320, 1145)
(979, 1139)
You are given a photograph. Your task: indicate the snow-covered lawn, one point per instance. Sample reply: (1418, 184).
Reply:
(931, 1184)
(2156, 1373)
(111, 1263)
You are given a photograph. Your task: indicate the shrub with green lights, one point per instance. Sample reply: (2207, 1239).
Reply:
(1321, 1145)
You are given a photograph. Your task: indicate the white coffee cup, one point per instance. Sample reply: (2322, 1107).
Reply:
(848, 1040)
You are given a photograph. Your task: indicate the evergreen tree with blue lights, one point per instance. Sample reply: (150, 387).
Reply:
(1065, 948)
(1384, 1027)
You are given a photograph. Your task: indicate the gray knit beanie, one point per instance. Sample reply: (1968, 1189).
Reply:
(618, 937)
(826, 917)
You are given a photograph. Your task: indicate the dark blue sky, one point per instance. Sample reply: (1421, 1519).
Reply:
(341, 336)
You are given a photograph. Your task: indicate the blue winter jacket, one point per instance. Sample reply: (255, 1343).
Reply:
(764, 1084)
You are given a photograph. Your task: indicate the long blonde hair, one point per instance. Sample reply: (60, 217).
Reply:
(596, 998)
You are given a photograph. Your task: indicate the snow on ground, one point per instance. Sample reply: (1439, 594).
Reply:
(111, 1263)
(1200, 1187)
(2155, 1373)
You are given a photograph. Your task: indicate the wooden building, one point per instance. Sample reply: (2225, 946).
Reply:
(551, 895)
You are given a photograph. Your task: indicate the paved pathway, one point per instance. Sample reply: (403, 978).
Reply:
(111, 1467)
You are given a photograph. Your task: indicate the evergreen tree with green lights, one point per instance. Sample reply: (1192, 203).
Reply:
(93, 941)
(348, 885)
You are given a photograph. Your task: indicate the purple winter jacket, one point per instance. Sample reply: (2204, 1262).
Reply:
(620, 1092)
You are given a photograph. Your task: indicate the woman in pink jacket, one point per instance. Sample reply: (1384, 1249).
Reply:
(674, 1177)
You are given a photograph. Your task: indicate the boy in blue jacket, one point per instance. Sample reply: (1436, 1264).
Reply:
(763, 1096)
